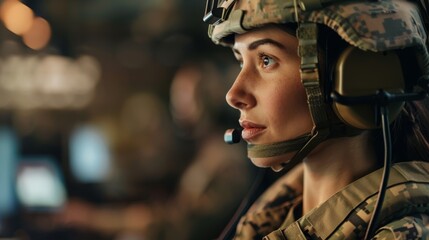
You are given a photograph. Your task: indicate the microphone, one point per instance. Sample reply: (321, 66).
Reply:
(232, 136)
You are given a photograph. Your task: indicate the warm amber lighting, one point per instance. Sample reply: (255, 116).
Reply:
(5, 6)
(37, 37)
(17, 17)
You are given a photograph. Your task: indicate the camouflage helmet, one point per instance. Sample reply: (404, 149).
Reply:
(369, 25)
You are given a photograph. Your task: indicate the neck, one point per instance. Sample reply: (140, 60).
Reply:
(333, 165)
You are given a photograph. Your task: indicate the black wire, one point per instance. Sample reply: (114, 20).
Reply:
(386, 171)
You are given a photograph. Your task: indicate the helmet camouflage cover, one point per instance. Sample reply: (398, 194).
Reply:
(369, 25)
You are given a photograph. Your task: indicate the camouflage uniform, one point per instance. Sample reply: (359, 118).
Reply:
(345, 215)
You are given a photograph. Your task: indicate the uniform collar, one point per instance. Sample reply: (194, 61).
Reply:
(351, 208)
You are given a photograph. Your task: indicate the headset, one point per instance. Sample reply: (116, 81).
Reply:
(360, 73)
(369, 92)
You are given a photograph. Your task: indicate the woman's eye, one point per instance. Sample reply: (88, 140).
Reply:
(267, 61)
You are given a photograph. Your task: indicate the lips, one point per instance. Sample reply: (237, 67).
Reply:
(251, 130)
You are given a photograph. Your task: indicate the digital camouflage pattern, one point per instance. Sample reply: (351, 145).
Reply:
(368, 25)
(405, 213)
(272, 207)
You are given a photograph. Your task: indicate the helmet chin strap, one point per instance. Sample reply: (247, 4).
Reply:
(276, 149)
(302, 146)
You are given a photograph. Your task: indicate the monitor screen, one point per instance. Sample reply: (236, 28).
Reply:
(89, 154)
(39, 184)
(8, 158)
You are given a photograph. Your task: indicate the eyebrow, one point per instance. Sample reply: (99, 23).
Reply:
(257, 43)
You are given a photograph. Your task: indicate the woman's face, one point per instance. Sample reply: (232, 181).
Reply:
(268, 90)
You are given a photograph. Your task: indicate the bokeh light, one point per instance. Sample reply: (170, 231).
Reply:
(37, 37)
(16, 16)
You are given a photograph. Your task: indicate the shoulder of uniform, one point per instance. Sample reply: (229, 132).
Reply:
(406, 228)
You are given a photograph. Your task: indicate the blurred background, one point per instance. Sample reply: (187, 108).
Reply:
(112, 115)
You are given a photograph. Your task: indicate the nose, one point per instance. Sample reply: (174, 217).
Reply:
(240, 95)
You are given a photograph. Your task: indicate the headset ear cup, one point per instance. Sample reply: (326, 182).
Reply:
(360, 73)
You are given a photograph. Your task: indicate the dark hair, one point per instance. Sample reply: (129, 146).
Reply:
(410, 133)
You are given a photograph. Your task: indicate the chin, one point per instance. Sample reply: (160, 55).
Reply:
(272, 162)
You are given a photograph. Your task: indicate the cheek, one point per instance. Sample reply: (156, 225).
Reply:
(291, 97)
(290, 111)
(300, 98)
(293, 89)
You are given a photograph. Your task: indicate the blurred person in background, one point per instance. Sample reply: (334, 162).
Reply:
(147, 151)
